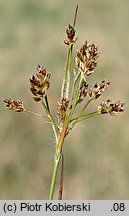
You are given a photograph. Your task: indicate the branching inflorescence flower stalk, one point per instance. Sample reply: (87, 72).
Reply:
(75, 90)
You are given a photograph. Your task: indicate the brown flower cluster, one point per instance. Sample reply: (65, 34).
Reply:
(87, 57)
(16, 105)
(70, 35)
(62, 106)
(97, 90)
(40, 83)
(110, 108)
(94, 92)
(83, 91)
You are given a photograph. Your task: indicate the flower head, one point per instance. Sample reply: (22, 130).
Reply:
(97, 90)
(40, 83)
(70, 31)
(83, 91)
(110, 108)
(16, 105)
(87, 57)
(62, 106)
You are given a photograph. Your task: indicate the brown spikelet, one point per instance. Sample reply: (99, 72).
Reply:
(16, 105)
(40, 83)
(110, 108)
(87, 57)
(97, 90)
(83, 91)
(62, 106)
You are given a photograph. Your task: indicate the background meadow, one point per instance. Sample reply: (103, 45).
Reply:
(97, 151)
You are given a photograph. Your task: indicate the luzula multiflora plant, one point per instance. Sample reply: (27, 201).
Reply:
(75, 90)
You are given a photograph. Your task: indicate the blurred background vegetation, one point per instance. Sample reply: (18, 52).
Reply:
(97, 151)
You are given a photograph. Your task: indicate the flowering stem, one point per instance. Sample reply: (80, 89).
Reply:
(65, 94)
(66, 81)
(61, 141)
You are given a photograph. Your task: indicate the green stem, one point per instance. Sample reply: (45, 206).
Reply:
(82, 118)
(76, 99)
(74, 85)
(34, 113)
(84, 108)
(57, 158)
(61, 178)
(75, 16)
(47, 104)
(54, 125)
(54, 175)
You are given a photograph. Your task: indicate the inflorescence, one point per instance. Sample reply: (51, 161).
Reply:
(86, 61)
(75, 90)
